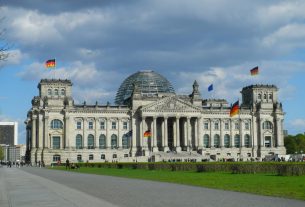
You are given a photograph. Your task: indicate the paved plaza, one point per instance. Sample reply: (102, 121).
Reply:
(31, 186)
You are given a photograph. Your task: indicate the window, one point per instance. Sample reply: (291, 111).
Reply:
(247, 126)
(206, 141)
(216, 141)
(227, 141)
(78, 125)
(49, 92)
(114, 141)
(56, 142)
(90, 124)
(79, 158)
(226, 126)
(267, 125)
(216, 126)
(236, 125)
(79, 141)
(270, 96)
(114, 156)
(102, 141)
(56, 124)
(125, 141)
(125, 155)
(113, 125)
(236, 140)
(259, 96)
(265, 96)
(90, 141)
(62, 92)
(102, 125)
(102, 156)
(125, 125)
(268, 141)
(247, 140)
(91, 157)
(56, 92)
(56, 158)
(206, 125)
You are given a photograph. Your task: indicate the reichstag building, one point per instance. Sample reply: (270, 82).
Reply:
(150, 122)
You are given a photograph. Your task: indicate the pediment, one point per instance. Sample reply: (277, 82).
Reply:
(170, 104)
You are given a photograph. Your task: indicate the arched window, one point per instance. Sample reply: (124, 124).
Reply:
(56, 158)
(237, 140)
(49, 92)
(259, 97)
(125, 141)
(79, 141)
(265, 96)
(270, 96)
(216, 141)
(102, 141)
(56, 124)
(90, 141)
(267, 125)
(247, 140)
(227, 140)
(56, 92)
(114, 141)
(206, 141)
(62, 92)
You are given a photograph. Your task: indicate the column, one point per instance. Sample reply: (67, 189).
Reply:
(242, 140)
(165, 145)
(144, 139)
(221, 133)
(200, 133)
(212, 135)
(154, 144)
(261, 133)
(196, 133)
(279, 134)
(96, 135)
(178, 147)
(231, 134)
(108, 136)
(40, 131)
(162, 132)
(119, 134)
(66, 135)
(46, 131)
(34, 138)
(189, 135)
(141, 143)
(134, 136)
(174, 134)
(85, 135)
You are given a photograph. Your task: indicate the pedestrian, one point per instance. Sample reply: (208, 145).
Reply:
(67, 164)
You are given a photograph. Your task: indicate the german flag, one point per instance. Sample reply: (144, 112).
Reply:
(50, 63)
(147, 133)
(234, 109)
(254, 71)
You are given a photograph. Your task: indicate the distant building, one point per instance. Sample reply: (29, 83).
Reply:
(14, 153)
(9, 133)
(151, 122)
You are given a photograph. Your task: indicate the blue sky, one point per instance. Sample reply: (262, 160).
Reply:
(97, 44)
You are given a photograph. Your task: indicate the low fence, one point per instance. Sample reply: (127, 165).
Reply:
(283, 169)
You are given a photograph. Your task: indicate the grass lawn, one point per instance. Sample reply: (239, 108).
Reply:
(263, 184)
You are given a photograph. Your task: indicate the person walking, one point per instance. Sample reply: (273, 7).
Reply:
(67, 164)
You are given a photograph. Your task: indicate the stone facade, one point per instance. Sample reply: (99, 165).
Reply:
(182, 127)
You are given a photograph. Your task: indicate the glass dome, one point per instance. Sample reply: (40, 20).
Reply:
(149, 83)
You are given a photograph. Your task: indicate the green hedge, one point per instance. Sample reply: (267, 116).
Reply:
(283, 169)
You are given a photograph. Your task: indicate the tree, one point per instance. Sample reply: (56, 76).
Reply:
(295, 144)
(1, 153)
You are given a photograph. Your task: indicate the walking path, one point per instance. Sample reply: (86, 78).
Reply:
(31, 186)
